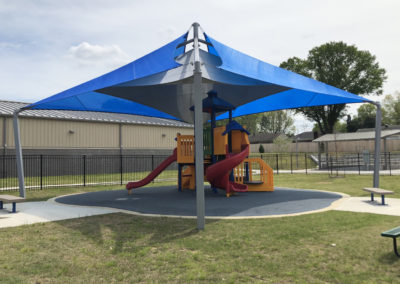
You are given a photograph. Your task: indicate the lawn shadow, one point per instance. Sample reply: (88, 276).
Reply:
(126, 231)
(388, 258)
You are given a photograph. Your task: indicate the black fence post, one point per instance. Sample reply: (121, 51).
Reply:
(291, 163)
(305, 159)
(41, 172)
(358, 162)
(277, 164)
(84, 170)
(121, 168)
(390, 166)
(152, 165)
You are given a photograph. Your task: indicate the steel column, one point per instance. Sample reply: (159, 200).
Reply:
(198, 131)
(18, 154)
(377, 143)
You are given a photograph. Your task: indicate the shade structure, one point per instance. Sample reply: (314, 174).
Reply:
(160, 85)
(169, 81)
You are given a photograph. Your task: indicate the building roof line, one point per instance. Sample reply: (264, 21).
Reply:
(8, 107)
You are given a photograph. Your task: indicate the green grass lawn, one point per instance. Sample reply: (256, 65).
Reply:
(349, 184)
(89, 179)
(328, 247)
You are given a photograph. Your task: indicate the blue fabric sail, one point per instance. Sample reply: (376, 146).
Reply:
(160, 85)
(84, 97)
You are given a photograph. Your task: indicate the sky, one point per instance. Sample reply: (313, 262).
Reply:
(48, 46)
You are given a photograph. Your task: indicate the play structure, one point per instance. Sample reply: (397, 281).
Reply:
(226, 163)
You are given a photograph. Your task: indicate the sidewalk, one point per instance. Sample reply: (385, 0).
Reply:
(340, 172)
(46, 211)
(364, 205)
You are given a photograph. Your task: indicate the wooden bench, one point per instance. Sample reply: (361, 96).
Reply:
(375, 190)
(393, 233)
(10, 199)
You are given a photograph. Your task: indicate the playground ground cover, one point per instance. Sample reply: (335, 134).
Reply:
(333, 247)
(349, 184)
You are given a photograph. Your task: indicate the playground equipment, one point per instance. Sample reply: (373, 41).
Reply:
(226, 162)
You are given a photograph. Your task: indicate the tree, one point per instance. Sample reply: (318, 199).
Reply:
(250, 122)
(342, 66)
(366, 115)
(282, 144)
(391, 105)
(277, 122)
(365, 118)
(261, 149)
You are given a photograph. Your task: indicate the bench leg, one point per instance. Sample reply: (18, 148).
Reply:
(14, 207)
(1, 204)
(395, 247)
(383, 199)
(372, 197)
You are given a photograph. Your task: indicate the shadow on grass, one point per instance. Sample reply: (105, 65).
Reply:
(389, 258)
(124, 232)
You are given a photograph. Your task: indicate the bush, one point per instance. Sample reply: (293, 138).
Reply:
(261, 149)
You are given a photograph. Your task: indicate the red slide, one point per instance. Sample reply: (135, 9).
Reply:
(153, 174)
(218, 174)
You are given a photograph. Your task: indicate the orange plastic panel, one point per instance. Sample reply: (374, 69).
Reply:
(236, 141)
(220, 141)
(262, 181)
(185, 148)
(245, 139)
(188, 178)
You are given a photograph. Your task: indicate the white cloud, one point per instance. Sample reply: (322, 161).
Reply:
(42, 43)
(87, 54)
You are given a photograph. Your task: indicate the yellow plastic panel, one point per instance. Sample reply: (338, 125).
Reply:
(236, 141)
(220, 141)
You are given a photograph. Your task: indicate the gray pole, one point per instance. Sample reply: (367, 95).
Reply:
(377, 143)
(198, 131)
(18, 154)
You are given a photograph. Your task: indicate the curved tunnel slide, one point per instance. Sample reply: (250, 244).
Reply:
(154, 173)
(218, 174)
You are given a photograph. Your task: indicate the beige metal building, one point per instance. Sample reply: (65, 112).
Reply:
(76, 132)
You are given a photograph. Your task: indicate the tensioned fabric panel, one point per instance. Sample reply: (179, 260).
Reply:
(160, 85)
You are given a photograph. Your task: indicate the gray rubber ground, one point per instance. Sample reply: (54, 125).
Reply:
(168, 201)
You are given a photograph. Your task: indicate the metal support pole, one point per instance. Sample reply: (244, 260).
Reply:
(230, 133)
(377, 143)
(18, 154)
(198, 131)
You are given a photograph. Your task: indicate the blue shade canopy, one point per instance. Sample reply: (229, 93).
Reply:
(160, 84)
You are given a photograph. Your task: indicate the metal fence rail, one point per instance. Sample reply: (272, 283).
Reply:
(288, 161)
(43, 171)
